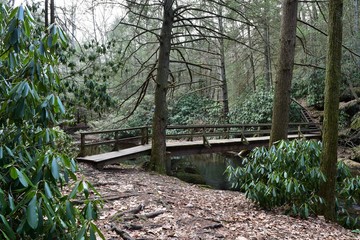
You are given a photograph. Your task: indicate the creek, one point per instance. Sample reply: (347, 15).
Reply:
(204, 169)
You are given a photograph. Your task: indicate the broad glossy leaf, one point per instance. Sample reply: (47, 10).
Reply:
(48, 190)
(13, 173)
(89, 211)
(55, 169)
(22, 178)
(20, 13)
(11, 202)
(32, 213)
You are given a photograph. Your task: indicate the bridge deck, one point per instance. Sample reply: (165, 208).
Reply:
(183, 148)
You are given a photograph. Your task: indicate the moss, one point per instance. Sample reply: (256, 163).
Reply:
(355, 122)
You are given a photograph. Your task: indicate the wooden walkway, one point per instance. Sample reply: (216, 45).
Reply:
(176, 148)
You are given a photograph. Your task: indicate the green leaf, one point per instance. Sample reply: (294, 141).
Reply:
(13, 173)
(81, 233)
(60, 105)
(97, 230)
(11, 202)
(89, 211)
(20, 13)
(32, 213)
(23, 179)
(70, 211)
(47, 190)
(55, 169)
(8, 230)
(306, 211)
(1, 152)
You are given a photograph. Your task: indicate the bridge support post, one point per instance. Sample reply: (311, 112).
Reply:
(82, 145)
(168, 164)
(116, 144)
(144, 136)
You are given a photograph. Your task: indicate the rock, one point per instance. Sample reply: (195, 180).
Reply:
(356, 154)
(354, 166)
(355, 122)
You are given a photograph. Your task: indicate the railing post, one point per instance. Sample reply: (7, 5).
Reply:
(116, 144)
(144, 136)
(82, 145)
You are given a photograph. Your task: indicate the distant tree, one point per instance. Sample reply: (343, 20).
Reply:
(331, 110)
(281, 107)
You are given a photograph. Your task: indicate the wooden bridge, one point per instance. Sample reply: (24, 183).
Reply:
(131, 143)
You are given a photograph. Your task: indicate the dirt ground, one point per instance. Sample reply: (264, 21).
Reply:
(145, 205)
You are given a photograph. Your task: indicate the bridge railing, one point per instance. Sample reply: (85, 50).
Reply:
(141, 135)
(115, 137)
(226, 131)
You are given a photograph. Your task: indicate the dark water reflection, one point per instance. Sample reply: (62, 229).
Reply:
(206, 169)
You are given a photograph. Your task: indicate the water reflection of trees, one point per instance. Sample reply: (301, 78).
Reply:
(205, 169)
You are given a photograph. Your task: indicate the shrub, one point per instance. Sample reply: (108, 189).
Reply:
(35, 173)
(257, 108)
(288, 175)
(193, 108)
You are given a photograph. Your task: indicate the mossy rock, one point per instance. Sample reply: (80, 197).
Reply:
(191, 178)
(356, 154)
(355, 122)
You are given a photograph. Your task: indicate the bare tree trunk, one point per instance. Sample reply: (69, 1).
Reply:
(331, 111)
(222, 70)
(267, 67)
(280, 117)
(251, 59)
(52, 11)
(46, 13)
(158, 152)
(356, 17)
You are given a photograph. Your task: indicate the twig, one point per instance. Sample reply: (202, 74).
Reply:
(121, 233)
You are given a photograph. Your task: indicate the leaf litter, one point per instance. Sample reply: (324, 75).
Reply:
(146, 205)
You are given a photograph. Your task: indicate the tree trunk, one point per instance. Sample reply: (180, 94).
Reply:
(222, 70)
(356, 18)
(52, 11)
(267, 67)
(251, 59)
(280, 117)
(46, 13)
(158, 152)
(331, 108)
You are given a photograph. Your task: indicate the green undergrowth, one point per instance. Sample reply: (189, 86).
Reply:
(288, 175)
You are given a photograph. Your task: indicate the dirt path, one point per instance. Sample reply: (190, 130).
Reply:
(143, 205)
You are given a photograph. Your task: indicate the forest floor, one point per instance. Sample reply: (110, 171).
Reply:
(146, 205)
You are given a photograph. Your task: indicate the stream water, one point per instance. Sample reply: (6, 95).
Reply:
(204, 169)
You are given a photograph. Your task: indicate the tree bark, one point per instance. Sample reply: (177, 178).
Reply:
(158, 152)
(251, 59)
(46, 13)
(267, 66)
(331, 110)
(280, 116)
(52, 11)
(224, 87)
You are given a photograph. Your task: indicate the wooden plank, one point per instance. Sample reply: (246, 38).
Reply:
(145, 149)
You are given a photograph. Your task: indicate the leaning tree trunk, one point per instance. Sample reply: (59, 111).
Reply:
(331, 108)
(280, 117)
(158, 152)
